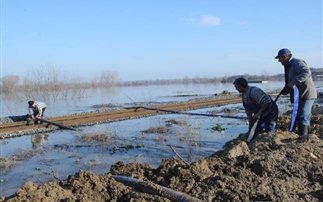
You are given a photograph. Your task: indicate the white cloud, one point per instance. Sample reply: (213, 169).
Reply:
(206, 21)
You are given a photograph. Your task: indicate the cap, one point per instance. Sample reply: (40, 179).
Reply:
(283, 51)
(30, 102)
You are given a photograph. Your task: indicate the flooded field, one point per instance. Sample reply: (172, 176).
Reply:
(43, 157)
(120, 96)
(51, 156)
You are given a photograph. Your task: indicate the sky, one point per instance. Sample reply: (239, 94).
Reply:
(158, 39)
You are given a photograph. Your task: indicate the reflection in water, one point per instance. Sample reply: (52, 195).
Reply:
(119, 96)
(38, 140)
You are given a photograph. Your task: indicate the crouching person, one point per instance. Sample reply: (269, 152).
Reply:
(36, 111)
(258, 105)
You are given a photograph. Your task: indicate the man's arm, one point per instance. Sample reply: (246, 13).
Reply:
(40, 110)
(262, 99)
(263, 107)
(302, 73)
(249, 115)
(31, 112)
(286, 90)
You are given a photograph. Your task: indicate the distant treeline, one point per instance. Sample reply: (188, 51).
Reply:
(47, 82)
(195, 80)
(317, 74)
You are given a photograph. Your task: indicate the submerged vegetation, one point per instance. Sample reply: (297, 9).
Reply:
(47, 82)
(217, 128)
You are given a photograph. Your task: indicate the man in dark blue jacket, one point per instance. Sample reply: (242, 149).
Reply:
(298, 74)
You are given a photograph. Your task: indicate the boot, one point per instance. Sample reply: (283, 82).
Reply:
(303, 133)
(28, 120)
(37, 122)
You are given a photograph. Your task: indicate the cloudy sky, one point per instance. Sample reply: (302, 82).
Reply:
(160, 39)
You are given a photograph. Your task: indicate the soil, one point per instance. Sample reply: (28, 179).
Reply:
(270, 168)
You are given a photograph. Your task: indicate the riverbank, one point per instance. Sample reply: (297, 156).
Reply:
(270, 168)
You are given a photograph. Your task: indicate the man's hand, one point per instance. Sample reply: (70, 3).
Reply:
(286, 90)
(291, 84)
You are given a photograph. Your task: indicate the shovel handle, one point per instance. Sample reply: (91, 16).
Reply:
(279, 94)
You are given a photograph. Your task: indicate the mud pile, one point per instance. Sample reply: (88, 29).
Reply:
(270, 168)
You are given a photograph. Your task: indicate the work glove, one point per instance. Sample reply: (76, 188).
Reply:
(286, 90)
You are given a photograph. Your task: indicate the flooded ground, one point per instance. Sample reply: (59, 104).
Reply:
(43, 157)
(270, 168)
(120, 96)
(56, 155)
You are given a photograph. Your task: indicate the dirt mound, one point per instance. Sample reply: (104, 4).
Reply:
(278, 168)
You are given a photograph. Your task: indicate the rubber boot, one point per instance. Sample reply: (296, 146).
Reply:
(299, 130)
(303, 133)
(309, 129)
(28, 120)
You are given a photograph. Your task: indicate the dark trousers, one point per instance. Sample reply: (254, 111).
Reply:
(36, 112)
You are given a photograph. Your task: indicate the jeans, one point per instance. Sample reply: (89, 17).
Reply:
(304, 112)
(267, 124)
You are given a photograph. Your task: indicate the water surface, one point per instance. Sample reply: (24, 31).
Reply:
(49, 156)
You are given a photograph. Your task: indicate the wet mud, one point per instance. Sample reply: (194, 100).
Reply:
(270, 168)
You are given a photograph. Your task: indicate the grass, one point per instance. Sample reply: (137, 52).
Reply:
(218, 128)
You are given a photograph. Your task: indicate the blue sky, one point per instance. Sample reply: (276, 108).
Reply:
(165, 39)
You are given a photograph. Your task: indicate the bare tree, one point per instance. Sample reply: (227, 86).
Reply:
(108, 79)
(9, 83)
(94, 82)
(44, 83)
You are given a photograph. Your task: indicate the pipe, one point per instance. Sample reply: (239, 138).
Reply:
(56, 124)
(186, 113)
(152, 188)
